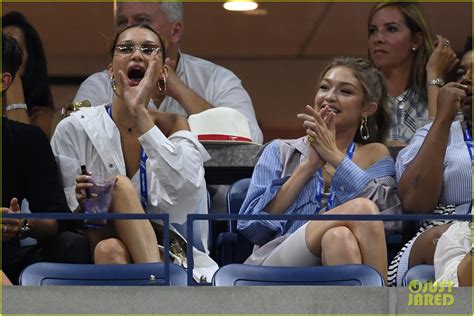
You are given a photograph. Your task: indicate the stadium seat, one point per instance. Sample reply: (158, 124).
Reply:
(47, 273)
(233, 247)
(422, 272)
(343, 275)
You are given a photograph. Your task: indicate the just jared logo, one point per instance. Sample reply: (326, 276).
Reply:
(430, 293)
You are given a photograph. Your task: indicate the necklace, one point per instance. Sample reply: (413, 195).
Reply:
(129, 129)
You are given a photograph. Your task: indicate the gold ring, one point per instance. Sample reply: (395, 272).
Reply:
(311, 139)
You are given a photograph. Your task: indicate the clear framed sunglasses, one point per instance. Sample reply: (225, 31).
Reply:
(129, 48)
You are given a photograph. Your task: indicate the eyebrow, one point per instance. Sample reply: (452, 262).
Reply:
(387, 24)
(340, 83)
(143, 43)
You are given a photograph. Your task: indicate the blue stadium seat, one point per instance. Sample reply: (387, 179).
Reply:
(343, 275)
(48, 273)
(422, 273)
(233, 247)
(235, 197)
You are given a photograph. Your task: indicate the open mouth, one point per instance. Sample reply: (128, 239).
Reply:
(135, 75)
(333, 109)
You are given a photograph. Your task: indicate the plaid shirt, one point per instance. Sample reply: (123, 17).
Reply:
(409, 112)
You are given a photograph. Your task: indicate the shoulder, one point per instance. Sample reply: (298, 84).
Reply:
(203, 65)
(22, 133)
(373, 153)
(102, 76)
(72, 122)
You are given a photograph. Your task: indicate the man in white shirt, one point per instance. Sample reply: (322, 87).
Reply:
(193, 85)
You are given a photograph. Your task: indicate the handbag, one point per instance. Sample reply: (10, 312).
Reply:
(204, 266)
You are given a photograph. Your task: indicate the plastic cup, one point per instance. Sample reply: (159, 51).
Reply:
(99, 202)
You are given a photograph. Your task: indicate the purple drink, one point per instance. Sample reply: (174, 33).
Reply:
(101, 196)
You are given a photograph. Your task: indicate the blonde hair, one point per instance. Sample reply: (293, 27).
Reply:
(375, 90)
(417, 22)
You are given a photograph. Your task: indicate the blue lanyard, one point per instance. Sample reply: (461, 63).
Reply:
(319, 185)
(468, 140)
(143, 159)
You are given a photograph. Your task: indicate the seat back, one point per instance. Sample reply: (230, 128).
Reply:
(235, 197)
(422, 273)
(342, 275)
(48, 273)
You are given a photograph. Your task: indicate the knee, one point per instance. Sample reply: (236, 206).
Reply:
(364, 206)
(342, 240)
(123, 185)
(111, 251)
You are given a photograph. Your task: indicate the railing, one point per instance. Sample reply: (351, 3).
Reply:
(191, 218)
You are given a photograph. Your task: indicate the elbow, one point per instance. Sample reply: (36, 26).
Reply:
(418, 206)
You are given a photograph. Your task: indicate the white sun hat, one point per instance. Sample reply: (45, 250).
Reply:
(220, 125)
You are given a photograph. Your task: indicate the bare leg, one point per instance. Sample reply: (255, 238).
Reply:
(137, 235)
(423, 249)
(370, 235)
(111, 251)
(465, 271)
(5, 280)
(339, 246)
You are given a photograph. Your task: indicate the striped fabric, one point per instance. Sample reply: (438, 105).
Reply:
(399, 265)
(349, 181)
(456, 189)
(409, 112)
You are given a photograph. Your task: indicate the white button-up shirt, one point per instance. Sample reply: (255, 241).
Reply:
(174, 169)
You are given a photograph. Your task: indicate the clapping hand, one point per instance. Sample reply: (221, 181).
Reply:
(322, 128)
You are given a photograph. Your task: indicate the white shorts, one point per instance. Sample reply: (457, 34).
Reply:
(451, 249)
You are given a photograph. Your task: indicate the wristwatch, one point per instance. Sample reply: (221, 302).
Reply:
(439, 82)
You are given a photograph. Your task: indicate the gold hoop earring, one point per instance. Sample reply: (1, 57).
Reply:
(113, 84)
(161, 84)
(364, 129)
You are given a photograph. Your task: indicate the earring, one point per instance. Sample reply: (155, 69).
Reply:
(413, 49)
(161, 84)
(364, 129)
(113, 84)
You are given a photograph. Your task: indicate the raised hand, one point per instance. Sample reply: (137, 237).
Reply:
(442, 60)
(449, 101)
(309, 121)
(175, 85)
(137, 97)
(324, 132)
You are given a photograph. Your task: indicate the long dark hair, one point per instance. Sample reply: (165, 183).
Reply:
(375, 90)
(35, 79)
(12, 55)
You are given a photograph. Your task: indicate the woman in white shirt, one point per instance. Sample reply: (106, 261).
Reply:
(150, 152)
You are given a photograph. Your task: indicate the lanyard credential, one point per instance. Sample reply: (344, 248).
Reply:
(319, 185)
(468, 140)
(143, 159)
